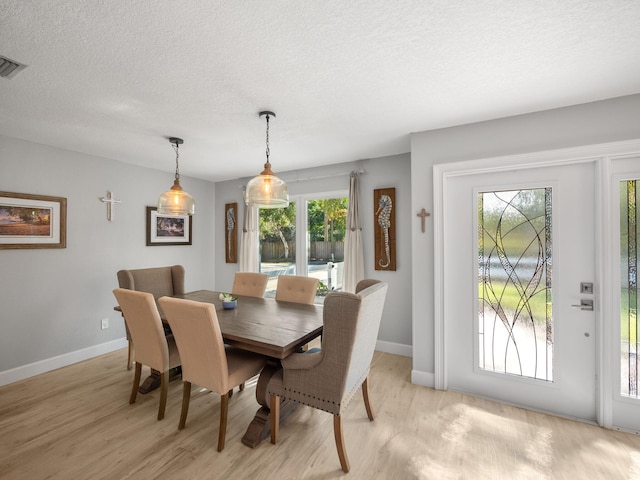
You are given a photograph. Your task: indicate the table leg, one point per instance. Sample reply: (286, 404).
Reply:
(153, 381)
(260, 426)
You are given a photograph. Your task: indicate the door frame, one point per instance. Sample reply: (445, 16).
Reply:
(601, 155)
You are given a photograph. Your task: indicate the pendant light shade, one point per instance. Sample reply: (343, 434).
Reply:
(266, 190)
(176, 201)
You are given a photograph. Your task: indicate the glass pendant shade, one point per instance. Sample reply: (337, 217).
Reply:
(267, 191)
(176, 201)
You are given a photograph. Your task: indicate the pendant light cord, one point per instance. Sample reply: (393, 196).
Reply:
(175, 147)
(268, 139)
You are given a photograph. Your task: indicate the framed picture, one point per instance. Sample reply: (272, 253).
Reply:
(168, 229)
(32, 221)
(231, 232)
(384, 207)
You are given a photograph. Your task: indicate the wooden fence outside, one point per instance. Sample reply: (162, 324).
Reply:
(274, 251)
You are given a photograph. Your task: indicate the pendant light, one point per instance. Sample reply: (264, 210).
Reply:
(176, 201)
(266, 190)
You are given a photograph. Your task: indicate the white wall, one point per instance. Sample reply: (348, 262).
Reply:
(588, 124)
(52, 300)
(393, 171)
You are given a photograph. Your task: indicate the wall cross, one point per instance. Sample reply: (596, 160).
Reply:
(110, 201)
(423, 215)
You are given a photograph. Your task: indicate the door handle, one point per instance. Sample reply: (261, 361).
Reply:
(585, 304)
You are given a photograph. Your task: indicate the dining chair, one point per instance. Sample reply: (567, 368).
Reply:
(159, 281)
(205, 360)
(297, 289)
(328, 379)
(249, 284)
(153, 348)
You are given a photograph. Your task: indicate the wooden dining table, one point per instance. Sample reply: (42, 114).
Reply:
(272, 328)
(263, 325)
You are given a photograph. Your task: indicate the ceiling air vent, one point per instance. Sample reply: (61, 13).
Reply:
(10, 68)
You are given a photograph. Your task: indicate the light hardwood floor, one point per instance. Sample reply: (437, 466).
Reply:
(76, 423)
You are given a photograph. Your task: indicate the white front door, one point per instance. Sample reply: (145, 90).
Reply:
(519, 258)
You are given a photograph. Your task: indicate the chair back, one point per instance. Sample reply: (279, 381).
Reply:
(296, 289)
(159, 281)
(349, 335)
(372, 300)
(197, 333)
(249, 284)
(328, 379)
(145, 327)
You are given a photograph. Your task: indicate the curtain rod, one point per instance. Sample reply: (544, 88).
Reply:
(359, 171)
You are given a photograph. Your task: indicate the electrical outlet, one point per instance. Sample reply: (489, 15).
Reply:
(105, 323)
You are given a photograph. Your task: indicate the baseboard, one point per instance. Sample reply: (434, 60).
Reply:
(426, 379)
(42, 366)
(395, 348)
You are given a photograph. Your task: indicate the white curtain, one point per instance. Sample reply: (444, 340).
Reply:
(353, 254)
(248, 260)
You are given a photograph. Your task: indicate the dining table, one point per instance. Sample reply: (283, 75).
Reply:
(272, 328)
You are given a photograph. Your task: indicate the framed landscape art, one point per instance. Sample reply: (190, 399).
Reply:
(168, 229)
(32, 221)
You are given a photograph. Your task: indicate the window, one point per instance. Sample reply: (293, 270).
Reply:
(317, 252)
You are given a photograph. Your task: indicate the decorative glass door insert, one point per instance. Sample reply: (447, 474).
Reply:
(515, 322)
(629, 289)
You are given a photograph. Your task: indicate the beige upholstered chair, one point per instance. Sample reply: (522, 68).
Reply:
(249, 284)
(159, 281)
(205, 360)
(153, 348)
(296, 289)
(328, 379)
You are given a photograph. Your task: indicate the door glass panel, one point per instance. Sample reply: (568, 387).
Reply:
(629, 288)
(326, 223)
(514, 283)
(277, 244)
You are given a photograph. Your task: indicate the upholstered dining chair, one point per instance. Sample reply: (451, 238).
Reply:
(297, 289)
(328, 379)
(153, 347)
(249, 284)
(205, 360)
(159, 281)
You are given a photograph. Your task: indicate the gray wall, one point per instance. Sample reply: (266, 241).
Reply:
(52, 300)
(588, 124)
(393, 171)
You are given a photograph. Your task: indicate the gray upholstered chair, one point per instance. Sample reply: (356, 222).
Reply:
(296, 289)
(159, 281)
(328, 379)
(153, 347)
(205, 360)
(249, 284)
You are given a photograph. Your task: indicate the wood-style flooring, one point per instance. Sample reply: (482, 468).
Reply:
(76, 423)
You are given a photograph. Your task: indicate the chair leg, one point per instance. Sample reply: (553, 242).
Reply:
(274, 405)
(365, 395)
(222, 431)
(337, 433)
(136, 383)
(130, 356)
(186, 397)
(164, 388)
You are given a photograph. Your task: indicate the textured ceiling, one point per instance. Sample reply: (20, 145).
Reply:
(347, 79)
